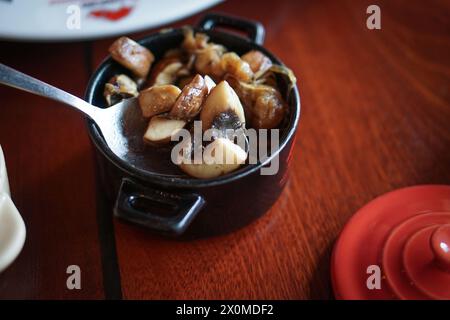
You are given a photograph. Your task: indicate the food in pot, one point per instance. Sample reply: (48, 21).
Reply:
(222, 100)
(181, 88)
(265, 107)
(189, 102)
(165, 71)
(192, 43)
(219, 157)
(119, 87)
(210, 84)
(158, 99)
(257, 61)
(234, 66)
(208, 61)
(132, 55)
(161, 128)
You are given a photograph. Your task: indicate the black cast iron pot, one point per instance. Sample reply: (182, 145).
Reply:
(172, 203)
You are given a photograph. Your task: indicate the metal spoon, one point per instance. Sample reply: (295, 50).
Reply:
(121, 125)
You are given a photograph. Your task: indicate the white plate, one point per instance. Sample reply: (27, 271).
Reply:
(4, 183)
(12, 232)
(12, 227)
(59, 20)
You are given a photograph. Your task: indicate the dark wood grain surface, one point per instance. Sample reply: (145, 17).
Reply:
(375, 117)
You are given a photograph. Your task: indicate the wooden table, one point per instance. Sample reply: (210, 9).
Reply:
(375, 117)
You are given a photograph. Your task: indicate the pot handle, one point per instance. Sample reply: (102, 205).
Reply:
(254, 30)
(160, 211)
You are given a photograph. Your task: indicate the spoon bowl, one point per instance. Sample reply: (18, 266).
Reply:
(121, 125)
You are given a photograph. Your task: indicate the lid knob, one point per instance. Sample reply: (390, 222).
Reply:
(440, 245)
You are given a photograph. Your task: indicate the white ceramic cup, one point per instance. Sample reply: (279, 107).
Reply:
(12, 227)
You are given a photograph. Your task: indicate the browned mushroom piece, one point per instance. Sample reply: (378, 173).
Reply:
(158, 99)
(161, 128)
(271, 75)
(184, 81)
(192, 43)
(132, 56)
(208, 61)
(269, 109)
(232, 64)
(264, 106)
(257, 60)
(165, 71)
(189, 102)
(119, 87)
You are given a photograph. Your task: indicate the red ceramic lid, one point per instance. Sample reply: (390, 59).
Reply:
(402, 238)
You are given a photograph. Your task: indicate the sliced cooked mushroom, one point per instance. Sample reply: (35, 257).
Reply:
(190, 100)
(165, 71)
(184, 81)
(269, 76)
(219, 157)
(210, 84)
(222, 99)
(158, 99)
(232, 64)
(161, 128)
(118, 88)
(257, 60)
(268, 110)
(192, 43)
(132, 55)
(264, 106)
(208, 61)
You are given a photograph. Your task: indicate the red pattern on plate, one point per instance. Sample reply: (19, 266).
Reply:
(112, 15)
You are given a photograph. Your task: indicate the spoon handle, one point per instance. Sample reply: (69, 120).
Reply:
(19, 80)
